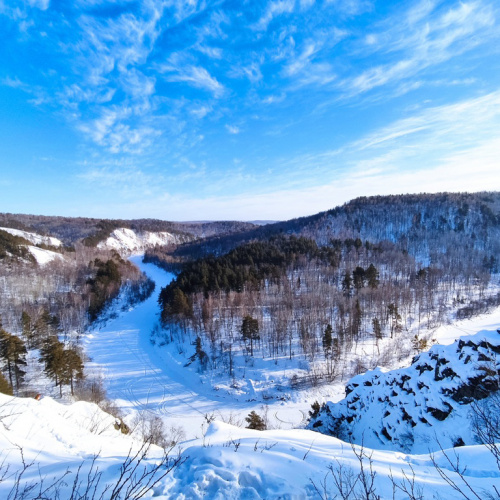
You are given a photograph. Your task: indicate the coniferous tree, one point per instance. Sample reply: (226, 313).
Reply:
(72, 368)
(13, 351)
(347, 284)
(255, 421)
(52, 355)
(28, 329)
(5, 387)
(372, 276)
(250, 330)
(328, 340)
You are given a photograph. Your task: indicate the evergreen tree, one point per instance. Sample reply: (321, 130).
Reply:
(328, 340)
(5, 387)
(372, 276)
(28, 329)
(13, 351)
(395, 319)
(199, 354)
(250, 331)
(72, 368)
(377, 329)
(358, 278)
(255, 421)
(53, 356)
(315, 408)
(347, 284)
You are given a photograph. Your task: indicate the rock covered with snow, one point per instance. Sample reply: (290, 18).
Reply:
(36, 239)
(407, 409)
(128, 241)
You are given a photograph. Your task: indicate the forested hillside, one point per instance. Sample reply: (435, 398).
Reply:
(375, 268)
(92, 231)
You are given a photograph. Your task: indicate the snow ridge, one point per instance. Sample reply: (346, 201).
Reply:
(407, 409)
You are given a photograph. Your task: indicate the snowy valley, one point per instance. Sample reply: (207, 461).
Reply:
(351, 407)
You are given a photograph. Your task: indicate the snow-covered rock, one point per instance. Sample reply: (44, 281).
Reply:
(128, 241)
(36, 239)
(407, 409)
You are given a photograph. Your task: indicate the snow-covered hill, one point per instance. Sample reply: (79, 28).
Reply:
(77, 446)
(42, 442)
(406, 409)
(36, 239)
(131, 242)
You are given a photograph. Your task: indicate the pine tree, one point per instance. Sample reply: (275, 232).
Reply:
(52, 355)
(328, 340)
(13, 351)
(377, 329)
(72, 369)
(5, 387)
(250, 331)
(255, 421)
(199, 354)
(358, 276)
(372, 276)
(28, 329)
(347, 284)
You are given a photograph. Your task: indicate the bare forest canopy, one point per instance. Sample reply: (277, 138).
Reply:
(374, 268)
(70, 230)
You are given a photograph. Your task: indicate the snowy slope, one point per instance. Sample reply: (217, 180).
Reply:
(56, 438)
(43, 256)
(128, 241)
(35, 238)
(225, 463)
(232, 463)
(405, 409)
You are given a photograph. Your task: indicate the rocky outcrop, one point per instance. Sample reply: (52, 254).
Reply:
(407, 409)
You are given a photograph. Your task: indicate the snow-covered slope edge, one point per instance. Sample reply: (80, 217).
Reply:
(407, 409)
(129, 241)
(233, 463)
(52, 439)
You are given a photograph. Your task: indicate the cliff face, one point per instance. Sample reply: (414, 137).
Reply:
(407, 409)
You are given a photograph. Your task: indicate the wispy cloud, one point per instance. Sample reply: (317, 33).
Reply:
(274, 9)
(422, 37)
(195, 76)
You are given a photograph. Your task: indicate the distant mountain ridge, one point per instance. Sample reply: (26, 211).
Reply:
(407, 220)
(91, 231)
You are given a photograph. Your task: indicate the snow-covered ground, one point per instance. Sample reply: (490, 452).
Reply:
(45, 442)
(57, 441)
(35, 238)
(129, 241)
(44, 256)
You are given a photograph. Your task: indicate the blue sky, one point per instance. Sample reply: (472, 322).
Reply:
(247, 110)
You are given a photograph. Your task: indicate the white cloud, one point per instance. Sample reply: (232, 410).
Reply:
(195, 76)
(233, 129)
(274, 9)
(423, 37)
